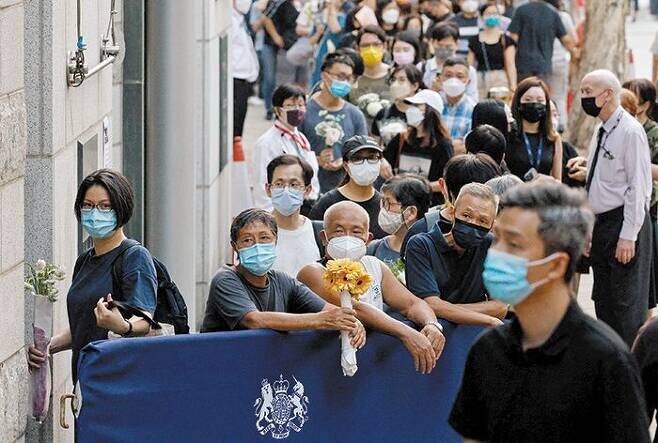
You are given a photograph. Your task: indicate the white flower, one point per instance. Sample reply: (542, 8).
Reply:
(373, 108)
(391, 129)
(40, 266)
(332, 135)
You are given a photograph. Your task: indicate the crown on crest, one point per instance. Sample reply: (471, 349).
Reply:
(281, 386)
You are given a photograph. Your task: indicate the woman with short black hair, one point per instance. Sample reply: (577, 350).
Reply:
(104, 204)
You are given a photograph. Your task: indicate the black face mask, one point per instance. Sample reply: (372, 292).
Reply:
(468, 235)
(589, 106)
(533, 112)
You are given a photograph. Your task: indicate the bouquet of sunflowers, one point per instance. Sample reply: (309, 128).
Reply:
(349, 279)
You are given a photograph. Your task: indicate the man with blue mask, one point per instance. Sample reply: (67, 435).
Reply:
(553, 374)
(250, 295)
(446, 269)
(298, 243)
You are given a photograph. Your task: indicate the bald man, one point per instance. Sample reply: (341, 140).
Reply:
(618, 184)
(345, 235)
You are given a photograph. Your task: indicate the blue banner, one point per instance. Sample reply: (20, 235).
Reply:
(252, 386)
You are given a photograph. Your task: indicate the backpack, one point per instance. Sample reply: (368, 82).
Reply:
(170, 307)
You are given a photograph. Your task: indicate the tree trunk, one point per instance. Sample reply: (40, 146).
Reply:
(604, 48)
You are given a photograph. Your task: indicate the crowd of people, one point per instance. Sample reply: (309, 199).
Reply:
(425, 141)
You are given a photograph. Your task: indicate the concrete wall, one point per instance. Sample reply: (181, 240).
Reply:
(13, 371)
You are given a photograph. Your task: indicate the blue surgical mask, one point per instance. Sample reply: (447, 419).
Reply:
(286, 200)
(99, 225)
(492, 21)
(259, 258)
(506, 276)
(340, 88)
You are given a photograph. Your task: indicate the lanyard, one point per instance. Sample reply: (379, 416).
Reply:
(299, 140)
(537, 160)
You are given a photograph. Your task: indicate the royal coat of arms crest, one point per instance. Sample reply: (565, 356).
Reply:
(278, 412)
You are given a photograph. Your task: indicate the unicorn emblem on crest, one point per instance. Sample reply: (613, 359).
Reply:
(277, 411)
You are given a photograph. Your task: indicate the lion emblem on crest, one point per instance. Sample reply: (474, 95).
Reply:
(277, 411)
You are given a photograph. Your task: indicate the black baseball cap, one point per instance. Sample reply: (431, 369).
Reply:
(357, 143)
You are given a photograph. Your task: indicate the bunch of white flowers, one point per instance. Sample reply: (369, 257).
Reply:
(371, 104)
(42, 278)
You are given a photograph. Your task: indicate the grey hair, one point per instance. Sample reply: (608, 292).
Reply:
(500, 185)
(347, 204)
(606, 79)
(480, 191)
(249, 216)
(566, 220)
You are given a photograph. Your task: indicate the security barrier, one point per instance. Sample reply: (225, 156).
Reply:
(252, 386)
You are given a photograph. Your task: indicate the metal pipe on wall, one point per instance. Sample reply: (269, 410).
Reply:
(170, 229)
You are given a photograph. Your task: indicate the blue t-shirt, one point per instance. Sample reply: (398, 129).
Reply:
(434, 268)
(339, 125)
(382, 250)
(92, 280)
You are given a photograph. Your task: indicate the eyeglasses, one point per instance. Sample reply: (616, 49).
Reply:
(293, 108)
(102, 207)
(387, 204)
(293, 186)
(341, 76)
(372, 160)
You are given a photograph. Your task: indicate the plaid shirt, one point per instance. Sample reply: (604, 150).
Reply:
(457, 117)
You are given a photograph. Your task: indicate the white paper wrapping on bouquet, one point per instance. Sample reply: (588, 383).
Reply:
(40, 378)
(348, 352)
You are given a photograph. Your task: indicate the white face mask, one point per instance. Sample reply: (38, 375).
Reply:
(454, 87)
(470, 6)
(390, 222)
(346, 247)
(414, 116)
(365, 174)
(400, 90)
(391, 16)
(242, 6)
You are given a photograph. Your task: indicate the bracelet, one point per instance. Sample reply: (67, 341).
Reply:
(437, 324)
(130, 329)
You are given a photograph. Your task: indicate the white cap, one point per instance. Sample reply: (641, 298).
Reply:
(427, 97)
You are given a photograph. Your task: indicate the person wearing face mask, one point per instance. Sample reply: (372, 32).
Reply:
(251, 295)
(283, 137)
(388, 16)
(443, 39)
(372, 47)
(436, 11)
(404, 81)
(458, 109)
(103, 205)
(425, 148)
(345, 235)
(493, 52)
(244, 62)
(459, 171)
(618, 185)
(445, 270)
(552, 356)
(406, 49)
(405, 199)
(536, 148)
(298, 240)
(362, 158)
(330, 119)
(468, 21)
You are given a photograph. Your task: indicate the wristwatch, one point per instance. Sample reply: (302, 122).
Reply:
(435, 323)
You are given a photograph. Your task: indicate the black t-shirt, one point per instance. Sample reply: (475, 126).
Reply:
(537, 24)
(421, 225)
(231, 297)
(284, 16)
(582, 385)
(389, 115)
(494, 53)
(645, 350)
(334, 196)
(519, 162)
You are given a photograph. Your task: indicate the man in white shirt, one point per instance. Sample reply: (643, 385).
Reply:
(298, 244)
(244, 61)
(619, 191)
(283, 137)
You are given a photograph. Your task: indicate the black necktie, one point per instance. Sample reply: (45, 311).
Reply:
(595, 160)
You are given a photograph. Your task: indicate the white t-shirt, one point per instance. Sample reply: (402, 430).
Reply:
(296, 249)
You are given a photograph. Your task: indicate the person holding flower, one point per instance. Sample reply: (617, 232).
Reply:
(251, 295)
(103, 205)
(330, 119)
(345, 236)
